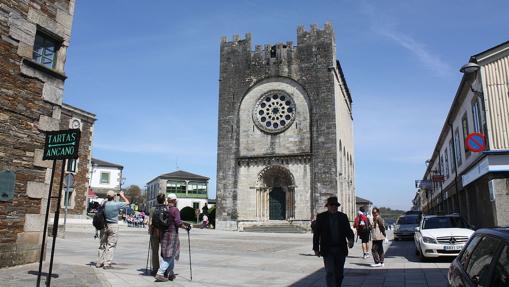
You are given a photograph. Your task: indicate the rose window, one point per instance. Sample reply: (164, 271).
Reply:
(274, 112)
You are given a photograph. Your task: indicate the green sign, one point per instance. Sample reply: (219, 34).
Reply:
(62, 144)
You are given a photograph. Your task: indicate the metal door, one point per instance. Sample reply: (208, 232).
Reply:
(277, 204)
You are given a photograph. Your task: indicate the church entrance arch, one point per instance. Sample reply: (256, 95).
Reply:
(275, 194)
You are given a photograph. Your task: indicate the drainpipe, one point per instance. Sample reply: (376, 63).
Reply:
(455, 165)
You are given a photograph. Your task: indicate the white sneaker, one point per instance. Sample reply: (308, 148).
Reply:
(364, 256)
(382, 265)
(376, 265)
(367, 255)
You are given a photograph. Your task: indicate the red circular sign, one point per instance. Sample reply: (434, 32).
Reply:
(475, 142)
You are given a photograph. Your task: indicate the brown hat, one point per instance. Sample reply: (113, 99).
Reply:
(333, 200)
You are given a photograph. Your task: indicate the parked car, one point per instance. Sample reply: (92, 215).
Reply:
(484, 261)
(441, 235)
(405, 226)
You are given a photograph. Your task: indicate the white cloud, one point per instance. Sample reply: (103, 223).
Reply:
(386, 26)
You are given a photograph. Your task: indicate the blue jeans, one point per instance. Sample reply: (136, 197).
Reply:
(334, 263)
(167, 265)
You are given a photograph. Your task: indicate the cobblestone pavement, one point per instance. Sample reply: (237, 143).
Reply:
(227, 259)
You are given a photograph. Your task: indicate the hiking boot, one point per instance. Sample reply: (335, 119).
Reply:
(161, 278)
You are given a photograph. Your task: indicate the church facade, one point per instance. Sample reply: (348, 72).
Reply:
(285, 141)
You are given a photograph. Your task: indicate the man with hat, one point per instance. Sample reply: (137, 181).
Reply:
(109, 234)
(330, 234)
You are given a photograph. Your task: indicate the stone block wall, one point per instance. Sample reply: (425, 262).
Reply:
(310, 64)
(73, 117)
(30, 104)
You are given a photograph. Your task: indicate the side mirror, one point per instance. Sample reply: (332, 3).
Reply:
(417, 229)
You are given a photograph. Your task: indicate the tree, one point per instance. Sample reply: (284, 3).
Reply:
(133, 192)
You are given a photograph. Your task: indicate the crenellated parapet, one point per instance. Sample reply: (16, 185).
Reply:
(279, 53)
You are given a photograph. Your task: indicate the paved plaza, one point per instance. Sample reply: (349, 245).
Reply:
(226, 259)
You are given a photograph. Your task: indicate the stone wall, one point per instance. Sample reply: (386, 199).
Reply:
(30, 103)
(85, 122)
(311, 66)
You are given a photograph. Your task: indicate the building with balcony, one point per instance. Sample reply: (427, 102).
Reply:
(191, 189)
(473, 183)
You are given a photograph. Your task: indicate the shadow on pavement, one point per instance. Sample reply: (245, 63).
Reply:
(406, 249)
(380, 277)
(43, 274)
(306, 254)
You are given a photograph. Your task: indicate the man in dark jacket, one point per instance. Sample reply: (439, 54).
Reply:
(331, 232)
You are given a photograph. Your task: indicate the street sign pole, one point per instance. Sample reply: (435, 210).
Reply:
(68, 183)
(46, 224)
(58, 145)
(55, 223)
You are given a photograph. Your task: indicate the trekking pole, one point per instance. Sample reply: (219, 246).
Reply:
(148, 256)
(189, 243)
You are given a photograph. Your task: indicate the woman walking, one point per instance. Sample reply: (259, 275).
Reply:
(378, 236)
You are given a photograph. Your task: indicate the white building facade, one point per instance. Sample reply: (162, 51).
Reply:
(474, 184)
(191, 189)
(105, 176)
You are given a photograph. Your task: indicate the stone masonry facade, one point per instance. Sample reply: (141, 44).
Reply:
(312, 158)
(30, 103)
(72, 118)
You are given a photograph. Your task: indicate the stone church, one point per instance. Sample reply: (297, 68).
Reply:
(285, 141)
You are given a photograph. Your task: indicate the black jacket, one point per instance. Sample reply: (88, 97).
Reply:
(321, 233)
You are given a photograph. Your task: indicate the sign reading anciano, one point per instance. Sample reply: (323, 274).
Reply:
(62, 144)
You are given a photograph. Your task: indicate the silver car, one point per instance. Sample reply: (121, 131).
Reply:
(405, 226)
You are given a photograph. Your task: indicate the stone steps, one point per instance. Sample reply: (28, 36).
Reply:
(275, 228)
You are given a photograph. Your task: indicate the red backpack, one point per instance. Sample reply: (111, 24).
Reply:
(359, 227)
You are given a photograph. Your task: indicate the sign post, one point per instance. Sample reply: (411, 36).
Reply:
(68, 183)
(59, 145)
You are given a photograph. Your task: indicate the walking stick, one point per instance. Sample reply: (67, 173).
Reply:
(148, 256)
(189, 243)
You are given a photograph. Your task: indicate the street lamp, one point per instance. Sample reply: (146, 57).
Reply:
(469, 68)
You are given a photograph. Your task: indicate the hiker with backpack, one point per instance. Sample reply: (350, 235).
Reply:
(109, 232)
(154, 229)
(361, 225)
(168, 221)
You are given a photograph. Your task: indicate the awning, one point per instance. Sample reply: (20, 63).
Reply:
(91, 193)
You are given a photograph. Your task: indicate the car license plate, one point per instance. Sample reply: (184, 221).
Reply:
(453, 247)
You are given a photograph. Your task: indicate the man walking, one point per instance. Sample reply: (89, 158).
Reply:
(155, 232)
(378, 235)
(361, 225)
(170, 243)
(330, 234)
(109, 234)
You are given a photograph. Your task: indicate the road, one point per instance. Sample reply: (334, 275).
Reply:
(239, 259)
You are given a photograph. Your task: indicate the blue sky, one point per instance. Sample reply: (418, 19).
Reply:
(150, 73)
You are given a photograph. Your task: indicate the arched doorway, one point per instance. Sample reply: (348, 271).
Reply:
(275, 196)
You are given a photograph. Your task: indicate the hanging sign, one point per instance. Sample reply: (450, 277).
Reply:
(62, 144)
(475, 142)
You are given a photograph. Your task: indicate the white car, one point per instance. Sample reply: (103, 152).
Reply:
(441, 235)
